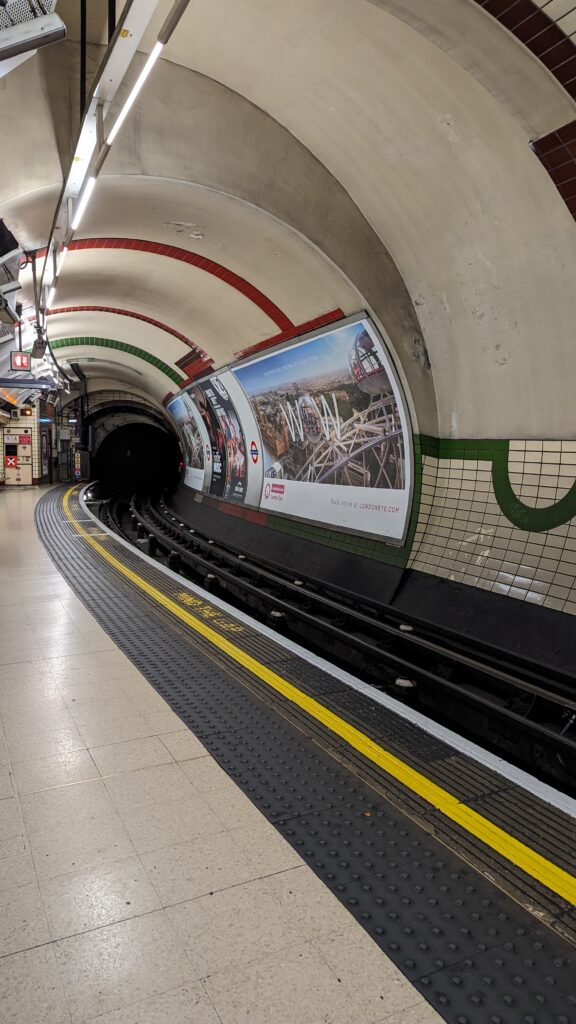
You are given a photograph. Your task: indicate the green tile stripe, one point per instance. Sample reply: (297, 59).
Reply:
(532, 520)
(367, 547)
(121, 346)
(495, 451)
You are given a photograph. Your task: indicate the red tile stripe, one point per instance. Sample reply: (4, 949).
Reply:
(293, 332)
(557, 152)
(197, 352)
(252, 515)
(188, 362)
(194, 368)
(546, 40)
(174, 252)
(543, 37)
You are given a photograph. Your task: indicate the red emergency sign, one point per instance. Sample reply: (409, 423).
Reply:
(11, 461)
(19, 360)
(24, 439)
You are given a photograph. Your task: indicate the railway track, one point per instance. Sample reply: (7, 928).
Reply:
(524, 711)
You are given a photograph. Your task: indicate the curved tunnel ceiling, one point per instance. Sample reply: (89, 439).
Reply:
(330, 156)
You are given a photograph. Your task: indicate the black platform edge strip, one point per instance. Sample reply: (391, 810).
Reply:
(469, 949)
(545, 829)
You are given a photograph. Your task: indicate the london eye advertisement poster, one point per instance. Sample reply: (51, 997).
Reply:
(334, 431)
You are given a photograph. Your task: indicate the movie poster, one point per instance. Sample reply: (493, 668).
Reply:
(336, 441)
(228, 448)
(184, 413)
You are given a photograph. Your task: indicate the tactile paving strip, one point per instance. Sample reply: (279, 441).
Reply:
(473, 953)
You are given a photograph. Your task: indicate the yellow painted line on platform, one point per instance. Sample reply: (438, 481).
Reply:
(514, 851)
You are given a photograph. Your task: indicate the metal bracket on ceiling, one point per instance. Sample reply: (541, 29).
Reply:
(99, 125)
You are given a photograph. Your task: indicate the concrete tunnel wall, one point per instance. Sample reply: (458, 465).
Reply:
(405, 174)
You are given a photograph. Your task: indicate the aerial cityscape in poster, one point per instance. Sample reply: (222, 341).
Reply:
(327, 412)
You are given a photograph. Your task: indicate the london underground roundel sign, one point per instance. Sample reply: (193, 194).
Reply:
(254, 453)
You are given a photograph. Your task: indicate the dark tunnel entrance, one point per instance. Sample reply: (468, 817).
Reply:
(137, 457)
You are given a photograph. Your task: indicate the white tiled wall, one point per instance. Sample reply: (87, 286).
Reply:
(463, 535)
(541, 472)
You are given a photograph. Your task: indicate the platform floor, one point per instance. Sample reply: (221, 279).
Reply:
(138, 884)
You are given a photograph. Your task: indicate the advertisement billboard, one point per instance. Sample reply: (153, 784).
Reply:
(197, 464)
(226, 383)
(334, 429)
(228, 447)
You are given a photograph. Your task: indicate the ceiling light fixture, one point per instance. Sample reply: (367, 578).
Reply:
(164, 34)
(136, 88)
(83, 203)
(78, 186)
(60, 261)
(51, 296)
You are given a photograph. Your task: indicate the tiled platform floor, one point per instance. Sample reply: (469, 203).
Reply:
(138, 885)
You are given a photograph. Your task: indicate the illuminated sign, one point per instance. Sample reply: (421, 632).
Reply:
(19, 360)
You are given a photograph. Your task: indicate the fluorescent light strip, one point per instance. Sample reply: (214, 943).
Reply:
(134, 93)
(51, 296)
(83, 203)
(60, 260)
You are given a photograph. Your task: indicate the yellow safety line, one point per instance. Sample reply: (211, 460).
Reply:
(528, 860)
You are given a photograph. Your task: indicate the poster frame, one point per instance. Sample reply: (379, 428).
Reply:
(244, 413)
(404, 408)
(207, 467)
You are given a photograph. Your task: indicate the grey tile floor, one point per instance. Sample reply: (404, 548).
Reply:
(138, 885)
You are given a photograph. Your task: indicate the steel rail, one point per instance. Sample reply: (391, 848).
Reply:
(447, 680)
(466, 660)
